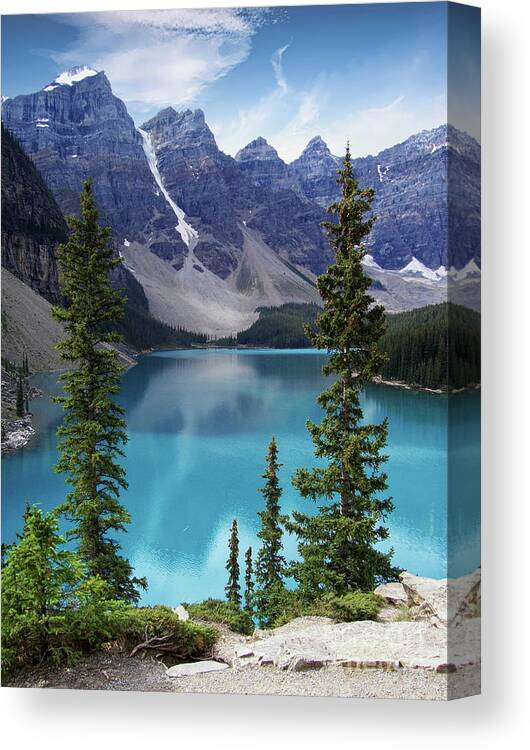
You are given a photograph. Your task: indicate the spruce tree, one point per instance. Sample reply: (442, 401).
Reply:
(270, 566)
(337, 546)
(270, 563)
(249, 583)
(232, 588)
(92, 434)
(20, 397)
(36, 579)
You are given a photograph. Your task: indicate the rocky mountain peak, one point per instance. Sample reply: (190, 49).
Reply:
(75, 75)
(316, 146)
(186, 129)
(257, 149)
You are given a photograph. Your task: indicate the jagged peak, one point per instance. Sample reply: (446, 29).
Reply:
(259, 148)
(71, 76)
(317, 144)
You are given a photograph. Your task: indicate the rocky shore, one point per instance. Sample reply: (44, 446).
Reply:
(16, 431)
(426, 645)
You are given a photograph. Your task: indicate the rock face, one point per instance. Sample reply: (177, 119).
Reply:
(210, 238)
(79, 129)
(203, 181)
(414, 182)
(32, 223)
(316, 172)
(393, 593)
(17, 433)
(222, 195)
(444, 602)
(261, 163)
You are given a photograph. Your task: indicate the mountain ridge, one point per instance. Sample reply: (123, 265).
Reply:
(244, 231)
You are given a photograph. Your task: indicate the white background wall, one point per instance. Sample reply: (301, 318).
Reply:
(500, 717)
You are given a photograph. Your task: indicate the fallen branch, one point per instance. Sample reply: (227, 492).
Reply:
(162, 643)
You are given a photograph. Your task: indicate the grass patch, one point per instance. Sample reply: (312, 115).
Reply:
(215, 610)
(404, 614)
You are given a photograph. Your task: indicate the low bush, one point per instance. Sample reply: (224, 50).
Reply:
(356, 605)
(226, 613)
(140, 625)
(353, 606)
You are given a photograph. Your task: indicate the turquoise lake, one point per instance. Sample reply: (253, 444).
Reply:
(199, 422)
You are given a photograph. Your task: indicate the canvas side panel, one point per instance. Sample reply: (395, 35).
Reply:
(463, 351)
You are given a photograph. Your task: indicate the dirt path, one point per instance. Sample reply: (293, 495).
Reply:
(106, 671)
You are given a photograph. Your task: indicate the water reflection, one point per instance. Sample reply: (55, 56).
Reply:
(199, 423)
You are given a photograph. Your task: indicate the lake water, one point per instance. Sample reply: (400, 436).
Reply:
(199, 423)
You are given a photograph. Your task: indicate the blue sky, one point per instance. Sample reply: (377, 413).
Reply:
(373, 74)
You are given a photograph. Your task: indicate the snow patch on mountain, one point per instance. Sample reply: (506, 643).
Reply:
(381, 171)
(74, 75)
(187, 232)
(417, 268)
(370, 262)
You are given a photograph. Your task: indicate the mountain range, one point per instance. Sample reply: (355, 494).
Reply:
(210, 238)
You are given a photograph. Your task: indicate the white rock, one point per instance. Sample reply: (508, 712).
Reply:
(443, 601)
(181, 612)
(394, 593)
(196, 667)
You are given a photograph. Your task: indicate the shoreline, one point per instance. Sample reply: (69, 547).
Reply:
(18, 433)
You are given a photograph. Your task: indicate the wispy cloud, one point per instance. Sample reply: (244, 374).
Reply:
(262, 115)
(155, 58)
(277, 66)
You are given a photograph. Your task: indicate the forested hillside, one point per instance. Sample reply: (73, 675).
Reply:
(435, 347)
(279, 327)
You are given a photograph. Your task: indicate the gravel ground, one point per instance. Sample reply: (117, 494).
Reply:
(111, 671)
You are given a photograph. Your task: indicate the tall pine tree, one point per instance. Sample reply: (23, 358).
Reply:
(232, 588)
(249, 583)
(270, 563)
(338, 545)
(92, 434)
(270, 566)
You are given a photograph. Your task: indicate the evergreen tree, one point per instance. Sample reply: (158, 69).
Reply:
(270, 563)
(232, 588)
(37, 578)
(249, 583)
(20, 397)
(338, 545)
(270, 566)
(91, 437)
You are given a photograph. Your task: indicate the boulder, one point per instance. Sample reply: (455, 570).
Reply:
(393, 593)
(196, 667)
(443, 602)
(313, 643)
(182, 613)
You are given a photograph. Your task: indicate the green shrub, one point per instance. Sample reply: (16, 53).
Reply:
(137, 625)
(51, 612)
(356, 605)
(353, 606)
(226, 613)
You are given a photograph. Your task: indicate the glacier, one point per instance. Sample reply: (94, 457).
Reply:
(187, 232)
